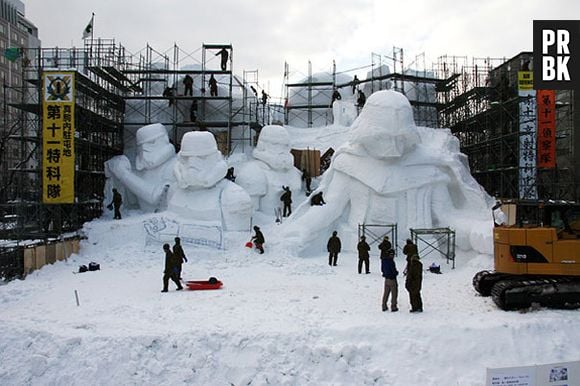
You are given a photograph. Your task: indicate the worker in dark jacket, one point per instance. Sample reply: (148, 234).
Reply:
(361, 100)
(171, 269)
(188, 85)
(307, 180)
(179, 255)
(354, 84)
(117, 201)
(224, 54)
(335, 96)
(410, 249)
(363, 254)
(385, 246)
(333, 246)
(213, 86)
(258, 239)
(413, 282)
(286, 198)
(390, 273)
(317, 199)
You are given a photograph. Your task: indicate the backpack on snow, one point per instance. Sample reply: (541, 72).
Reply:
(94, 266)
(435, 268)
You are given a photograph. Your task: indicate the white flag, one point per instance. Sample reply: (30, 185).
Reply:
(89, 28)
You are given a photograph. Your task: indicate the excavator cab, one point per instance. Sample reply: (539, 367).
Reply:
(536, 256)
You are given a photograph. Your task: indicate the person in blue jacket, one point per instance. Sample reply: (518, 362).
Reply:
(390, 273)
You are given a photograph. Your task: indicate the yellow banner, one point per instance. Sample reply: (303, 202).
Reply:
(58, 134)
(525, 80)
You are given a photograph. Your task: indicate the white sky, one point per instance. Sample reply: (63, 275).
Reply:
(264, 34)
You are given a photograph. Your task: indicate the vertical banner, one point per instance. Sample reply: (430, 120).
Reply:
(58, 150)
(546, 105)
(528, 137)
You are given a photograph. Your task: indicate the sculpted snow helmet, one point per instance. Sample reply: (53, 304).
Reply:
(199, 163)
(274, 147)
(385, 126)
(150, 133)
(199, 144)
(154, 146)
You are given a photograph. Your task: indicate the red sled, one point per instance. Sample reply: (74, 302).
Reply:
(197, 285)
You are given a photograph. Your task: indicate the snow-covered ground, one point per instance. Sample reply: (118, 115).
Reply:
(278, 320)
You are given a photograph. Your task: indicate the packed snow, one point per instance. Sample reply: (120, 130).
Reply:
(280, 318)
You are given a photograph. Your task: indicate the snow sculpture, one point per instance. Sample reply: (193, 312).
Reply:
(391, 172)
(202, 194)
(271, 168)
(153, 172)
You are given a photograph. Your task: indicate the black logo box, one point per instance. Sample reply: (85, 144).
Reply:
(573, 64)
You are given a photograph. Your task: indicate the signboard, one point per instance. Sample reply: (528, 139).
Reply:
(556, 54)
(58, 150)
(527, 147)
(555, 374)
(546, 107)
(525, 80)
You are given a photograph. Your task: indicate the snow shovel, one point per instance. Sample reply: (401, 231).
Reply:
(249, 244)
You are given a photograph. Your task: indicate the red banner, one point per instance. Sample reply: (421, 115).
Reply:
(546, 110)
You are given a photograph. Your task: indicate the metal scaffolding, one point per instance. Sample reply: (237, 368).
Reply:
(308, 100)
(479, 102)
(158, 95)
(99, 109)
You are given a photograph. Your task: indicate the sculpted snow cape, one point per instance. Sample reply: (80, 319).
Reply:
(391, 172)
(271, 168)
(202, 194)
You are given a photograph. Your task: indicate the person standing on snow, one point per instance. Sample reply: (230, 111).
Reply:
(389, 270)
(361, 100)
(171, 269)
(117, 201)
(258, 239)
(333, 248)
(413, 282)
(286, 198)
(335, 96)
(179, 254)
(307, 180)
(410, 249)
(363, 254)
(385, 246)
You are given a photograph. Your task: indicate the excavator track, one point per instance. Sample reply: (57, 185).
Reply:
(484, 281)
(514, 293)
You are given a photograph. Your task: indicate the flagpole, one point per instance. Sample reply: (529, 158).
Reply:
(92, 31)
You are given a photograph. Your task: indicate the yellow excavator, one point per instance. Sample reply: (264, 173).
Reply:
(537, 258)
